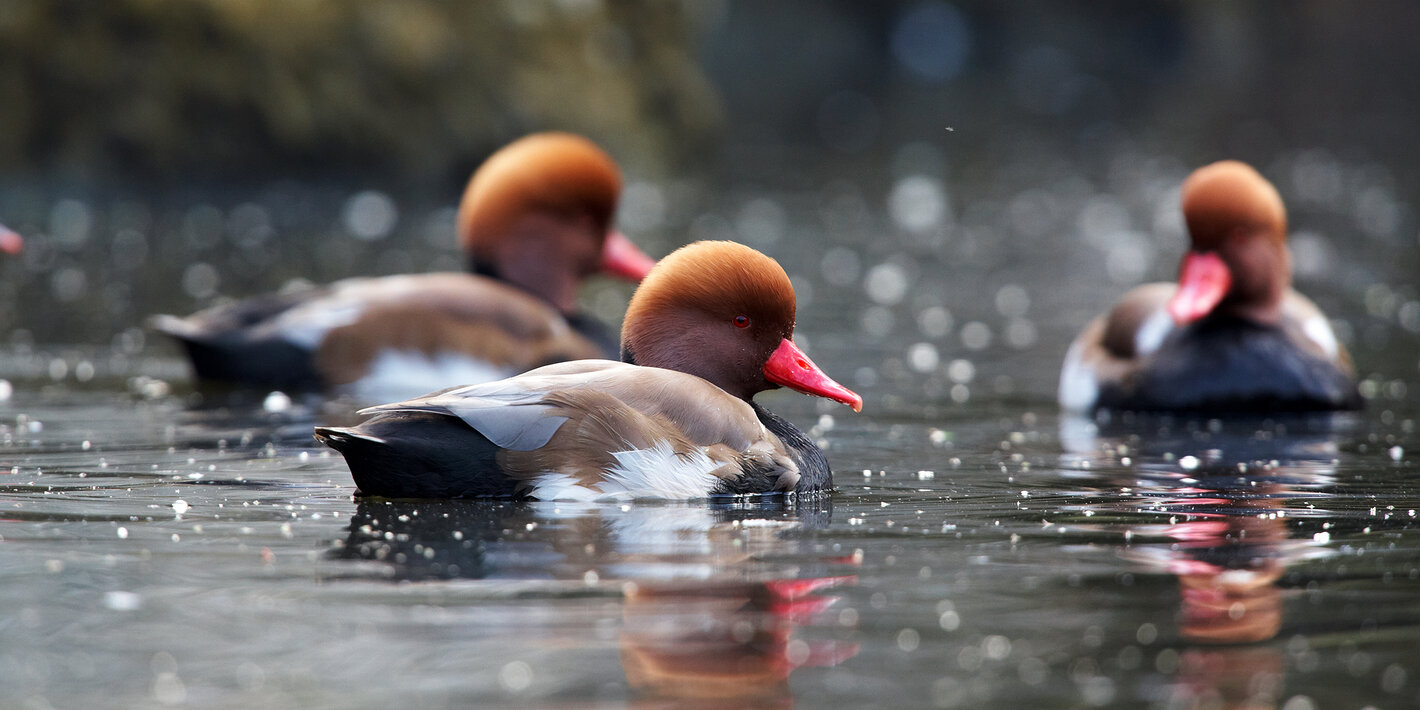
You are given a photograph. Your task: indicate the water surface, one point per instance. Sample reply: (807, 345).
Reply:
(160, 555)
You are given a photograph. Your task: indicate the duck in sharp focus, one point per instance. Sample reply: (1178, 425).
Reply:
(1231, 336)
(535, 220)
(710, 327)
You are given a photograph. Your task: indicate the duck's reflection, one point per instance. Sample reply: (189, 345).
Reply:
(720, 602)
(727, 641)
(1226, 487)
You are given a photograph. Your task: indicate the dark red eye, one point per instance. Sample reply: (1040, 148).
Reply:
(741, 322)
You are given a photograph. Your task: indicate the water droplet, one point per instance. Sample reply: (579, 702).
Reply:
(276, 402)
(922, 357)
(119, 600)
(886, 284)
(369, 215)
(68, 284)
(932, 40)
(200, 280)
(515, 677)
(918, 203)
(961, 371)
(976, 336)
(69, 223)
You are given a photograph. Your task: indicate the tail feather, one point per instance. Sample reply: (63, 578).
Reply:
(419, 455)
(177, 327)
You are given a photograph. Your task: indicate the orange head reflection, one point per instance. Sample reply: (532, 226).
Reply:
(730, 641)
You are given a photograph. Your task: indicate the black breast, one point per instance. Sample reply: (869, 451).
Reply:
(814, 473)
(1226, 364)
(597, 332)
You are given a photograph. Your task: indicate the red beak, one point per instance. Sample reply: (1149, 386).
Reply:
(1203, 281)
(622, 258)
(10, 243)
(790, 367)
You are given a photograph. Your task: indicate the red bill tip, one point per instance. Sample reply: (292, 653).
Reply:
(1203, 281)
(790, 367)
(10, 242)
(622, 258)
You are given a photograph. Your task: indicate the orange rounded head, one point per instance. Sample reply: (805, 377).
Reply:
(1228, 196)
(1221, 200)
(723, 312)
(560, 176)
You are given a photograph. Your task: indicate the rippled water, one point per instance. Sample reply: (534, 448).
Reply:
(163, 550)
(160, 555)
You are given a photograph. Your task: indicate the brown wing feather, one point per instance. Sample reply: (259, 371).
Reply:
(457, 313)
(625, 407)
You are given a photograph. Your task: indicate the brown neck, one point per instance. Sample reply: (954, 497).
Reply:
(544, 255)
(698, 346)
(1262, 273)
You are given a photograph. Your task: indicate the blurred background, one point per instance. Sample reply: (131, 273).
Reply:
(956, 187)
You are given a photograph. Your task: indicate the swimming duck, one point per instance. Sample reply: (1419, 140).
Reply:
(1231, 335)
(710, 327)
(535, 220)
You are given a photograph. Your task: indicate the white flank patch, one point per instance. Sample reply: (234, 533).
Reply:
(306, 325)
(1078, 387)
(1152, 332)
(1319, 330)
(656, 472)
(404, 374)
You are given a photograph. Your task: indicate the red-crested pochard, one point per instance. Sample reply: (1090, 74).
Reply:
(535, 220)
(711, 326)
(1231, 335)
(10, 242)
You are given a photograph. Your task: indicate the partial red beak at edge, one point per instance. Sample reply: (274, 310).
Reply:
(622, 258)
(790, 367)
(1203, 281)
(10, 242)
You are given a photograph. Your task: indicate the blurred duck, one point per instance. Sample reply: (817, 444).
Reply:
(1231, 335)
(710, 327)
(10, 242)
(535, 221)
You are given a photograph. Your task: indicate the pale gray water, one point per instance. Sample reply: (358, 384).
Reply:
(164, 551)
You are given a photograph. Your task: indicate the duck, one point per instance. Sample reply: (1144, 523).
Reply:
(1231, 335)
(534, 221)
(10, 241)
(710, 327)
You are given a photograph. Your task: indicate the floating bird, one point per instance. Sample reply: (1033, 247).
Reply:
(1232, 335)
(711, 326)
(535, 220)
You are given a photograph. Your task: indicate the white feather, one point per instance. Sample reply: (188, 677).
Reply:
(1078, 386)
(658, 472)
(404, 374)
(655, 472)
(1151, 333)
(1319, 331)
